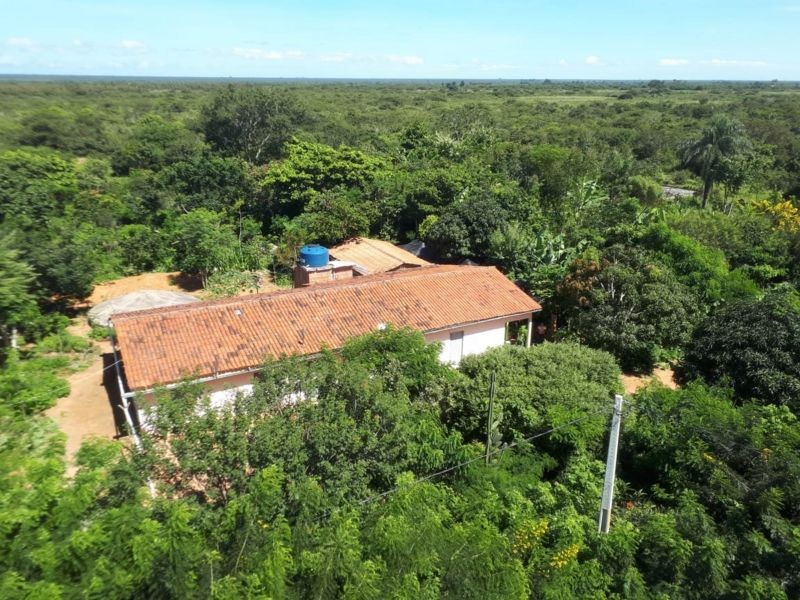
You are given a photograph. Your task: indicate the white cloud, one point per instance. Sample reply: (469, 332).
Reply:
(792, 8)
(563, 62)
(673, 62)
(717, 62)
(498, 67)
(261, 54)
(132, 44)
(20, 42)
(336, 57)
(405, 60)
(594, 61)
(489, 66)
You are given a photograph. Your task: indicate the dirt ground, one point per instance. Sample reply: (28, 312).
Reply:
(173, 282)
(88, 410)
(632, 383)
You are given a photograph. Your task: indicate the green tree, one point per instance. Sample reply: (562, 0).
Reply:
(627, 302)
(34, 185)
(334, 216)
(538, 387)
(645, 189)
(754, 343)
(144, 248)
(537, 259)
(706, 456)
(310, 169)
(78, 131)
(711, 156)
(17, 303)
(744, 236)
(203, 243)
(704, 270)
(211, 182)
(154, 143)
(464, 230)
(251, 122)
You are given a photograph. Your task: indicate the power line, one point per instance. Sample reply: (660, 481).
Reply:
(465, 463)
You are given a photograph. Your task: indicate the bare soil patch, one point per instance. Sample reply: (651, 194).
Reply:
(665, 377)
(175, 282)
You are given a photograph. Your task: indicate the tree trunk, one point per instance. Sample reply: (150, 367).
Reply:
(706, 191)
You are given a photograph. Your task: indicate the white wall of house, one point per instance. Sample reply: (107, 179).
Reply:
(477, 338)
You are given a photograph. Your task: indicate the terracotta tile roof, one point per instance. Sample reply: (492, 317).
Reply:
(164, 345)
(376, 256)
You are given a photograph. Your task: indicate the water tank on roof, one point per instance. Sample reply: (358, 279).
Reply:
(314, 255)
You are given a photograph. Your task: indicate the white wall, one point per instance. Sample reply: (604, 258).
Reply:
(222, 398)
(477, 339)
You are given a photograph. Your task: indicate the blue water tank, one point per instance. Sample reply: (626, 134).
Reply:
(314, 255)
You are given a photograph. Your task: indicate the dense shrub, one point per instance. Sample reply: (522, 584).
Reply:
(627, 302)
(537, 388)
(754, 344)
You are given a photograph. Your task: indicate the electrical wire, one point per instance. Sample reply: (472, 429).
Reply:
(465, 463)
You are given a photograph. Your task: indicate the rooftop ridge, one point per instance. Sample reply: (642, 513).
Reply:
(356, 282)
(371, 243)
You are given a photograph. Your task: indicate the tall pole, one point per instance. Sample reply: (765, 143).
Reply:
(611, 467)
(492, 391)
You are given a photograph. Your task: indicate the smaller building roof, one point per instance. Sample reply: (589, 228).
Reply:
(420, 249)
(376, 256)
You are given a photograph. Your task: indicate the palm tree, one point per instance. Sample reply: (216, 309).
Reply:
(723, 139)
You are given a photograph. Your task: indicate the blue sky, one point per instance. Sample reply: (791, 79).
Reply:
(627, 39)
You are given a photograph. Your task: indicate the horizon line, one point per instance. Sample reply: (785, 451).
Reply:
(386, 79)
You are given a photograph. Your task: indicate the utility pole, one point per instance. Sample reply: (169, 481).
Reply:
(490, 423)
(611, 467)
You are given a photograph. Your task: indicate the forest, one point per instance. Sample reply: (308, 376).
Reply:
(389, 481)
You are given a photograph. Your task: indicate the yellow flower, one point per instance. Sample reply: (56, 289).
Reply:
(527, 534)
(786, 216)
(563, 557)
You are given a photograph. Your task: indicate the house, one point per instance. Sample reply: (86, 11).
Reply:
(223, 343)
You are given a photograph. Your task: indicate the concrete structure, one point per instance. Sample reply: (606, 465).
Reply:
(101, 313)
(335, 270)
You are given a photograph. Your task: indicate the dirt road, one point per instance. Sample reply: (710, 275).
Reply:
(87, 411)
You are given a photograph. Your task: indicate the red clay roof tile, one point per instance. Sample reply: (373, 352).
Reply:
(164, 345)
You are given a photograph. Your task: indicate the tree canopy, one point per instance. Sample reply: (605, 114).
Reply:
(364, 473)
